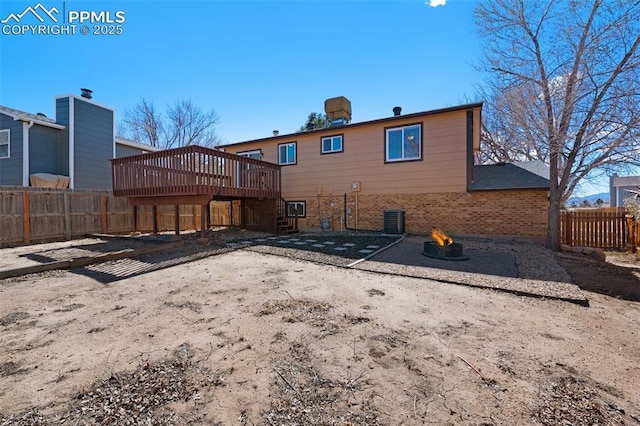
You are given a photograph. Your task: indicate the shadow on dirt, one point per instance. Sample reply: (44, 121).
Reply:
(76, 251)
(111, 272)
(619, 280)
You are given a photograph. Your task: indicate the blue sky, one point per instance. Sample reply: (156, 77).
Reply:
(262, 65)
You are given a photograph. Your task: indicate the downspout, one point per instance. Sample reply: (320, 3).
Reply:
(25, 151)
(71, 143)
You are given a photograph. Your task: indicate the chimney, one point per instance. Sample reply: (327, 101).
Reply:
(86, 93)
(397, 110)
(276, 133)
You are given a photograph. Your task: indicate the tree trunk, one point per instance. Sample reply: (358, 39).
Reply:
(553, 220)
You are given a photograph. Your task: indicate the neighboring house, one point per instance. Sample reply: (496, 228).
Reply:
(77, 144)
(348, 175)
(620, 187)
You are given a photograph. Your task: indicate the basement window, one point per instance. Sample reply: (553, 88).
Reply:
(331, 144)
(5, 138)
(297, 208)
(287, 153)
(403, 143)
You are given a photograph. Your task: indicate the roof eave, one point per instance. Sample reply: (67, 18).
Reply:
(537, 188)
(363, 123)
(36, 121)
(138, 145)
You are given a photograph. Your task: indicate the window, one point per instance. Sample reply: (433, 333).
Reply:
(256, 154)
(287, 153)
(403, 143)
(297, 208)
(4, 143)
(331, 144)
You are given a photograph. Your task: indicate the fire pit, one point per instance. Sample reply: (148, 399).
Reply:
(443, 247)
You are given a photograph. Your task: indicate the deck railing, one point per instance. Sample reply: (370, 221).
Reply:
(194, 170)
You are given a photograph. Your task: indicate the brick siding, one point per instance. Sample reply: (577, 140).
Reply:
(513, 212)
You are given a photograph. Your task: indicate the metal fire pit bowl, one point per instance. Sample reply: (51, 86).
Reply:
(452, 251)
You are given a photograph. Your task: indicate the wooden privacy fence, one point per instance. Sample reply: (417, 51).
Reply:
(601, 228)
(29, 215)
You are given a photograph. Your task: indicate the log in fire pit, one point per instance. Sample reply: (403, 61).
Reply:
(443, 247)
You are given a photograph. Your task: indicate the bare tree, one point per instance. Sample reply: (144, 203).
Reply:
(142, 123)
(183, 124)
(566, 75)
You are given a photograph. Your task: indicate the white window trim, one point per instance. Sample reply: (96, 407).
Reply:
(386, 143)
(332, 151)
(249, 153)
(8, 132)
(289, 161)
(297, 203)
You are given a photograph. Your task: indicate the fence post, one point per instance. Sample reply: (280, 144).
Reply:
(567, 228)
(631, 233)
(103, 213)
(26, 218)
(67, 216)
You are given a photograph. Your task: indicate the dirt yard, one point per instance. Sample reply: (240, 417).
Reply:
(255, 339)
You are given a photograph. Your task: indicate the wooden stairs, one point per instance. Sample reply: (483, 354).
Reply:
(285, 224)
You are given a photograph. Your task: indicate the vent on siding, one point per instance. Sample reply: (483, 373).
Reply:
(394, 222)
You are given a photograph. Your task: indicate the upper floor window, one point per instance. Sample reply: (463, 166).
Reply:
(256, 154)
(5, 143)
(403, 143)
(331, 144)
(287, 153)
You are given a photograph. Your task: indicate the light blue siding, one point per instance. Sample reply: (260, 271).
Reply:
(93, 145)
(11, 168)
(44, 156)
(62, 117)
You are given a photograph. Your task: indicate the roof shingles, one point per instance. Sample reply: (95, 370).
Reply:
(505, 176)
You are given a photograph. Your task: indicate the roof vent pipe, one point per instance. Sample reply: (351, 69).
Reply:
(86, 93)
(397, 110)
(276, 133)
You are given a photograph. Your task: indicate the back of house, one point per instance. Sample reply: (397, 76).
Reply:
(418, 167)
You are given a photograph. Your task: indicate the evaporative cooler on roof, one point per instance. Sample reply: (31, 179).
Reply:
(338, 110)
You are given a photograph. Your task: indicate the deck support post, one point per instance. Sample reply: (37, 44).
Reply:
(155, 219)
(203, 219)
(135, 218)
(176, 219)
(243, 221)
(208, 209)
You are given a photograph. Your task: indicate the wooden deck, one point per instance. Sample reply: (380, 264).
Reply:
(193, 175)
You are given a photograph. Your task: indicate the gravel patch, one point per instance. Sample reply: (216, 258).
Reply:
(516, 267)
